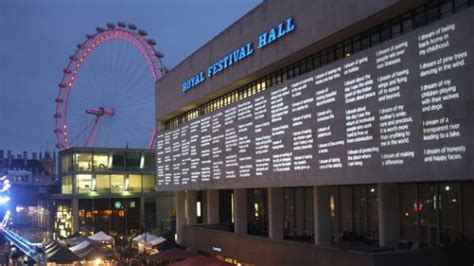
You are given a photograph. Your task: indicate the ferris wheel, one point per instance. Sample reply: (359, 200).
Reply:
(106, 96)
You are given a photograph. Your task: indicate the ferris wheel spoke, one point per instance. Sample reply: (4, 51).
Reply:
(83, 132)
(131, 76)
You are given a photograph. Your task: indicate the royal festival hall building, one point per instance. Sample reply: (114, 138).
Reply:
(320, 132)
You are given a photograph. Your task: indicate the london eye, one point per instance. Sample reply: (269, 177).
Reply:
(106, 95)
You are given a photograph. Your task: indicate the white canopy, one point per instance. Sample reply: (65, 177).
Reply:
(101, 236)
(149, 240)
(79, 246)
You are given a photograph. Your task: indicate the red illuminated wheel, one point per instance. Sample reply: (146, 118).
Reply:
(106, 95)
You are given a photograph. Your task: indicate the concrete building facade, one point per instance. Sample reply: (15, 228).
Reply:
(318, 133)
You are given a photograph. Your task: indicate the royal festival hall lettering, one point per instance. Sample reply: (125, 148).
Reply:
(240, 53)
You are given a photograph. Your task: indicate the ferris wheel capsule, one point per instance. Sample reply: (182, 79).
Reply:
(151, 42)
(110, 25)
(142, 33)
(89, 36)
(159, 54)
(121, 24)
(100, 29)
(132, 26)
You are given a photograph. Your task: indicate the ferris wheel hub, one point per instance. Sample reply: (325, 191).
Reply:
(101, 111)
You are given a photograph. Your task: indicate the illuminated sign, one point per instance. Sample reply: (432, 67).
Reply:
(240, 53)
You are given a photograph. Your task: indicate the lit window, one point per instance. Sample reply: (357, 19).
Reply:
(117, 183)
(83, 183)
(101, 162)
(83, 161)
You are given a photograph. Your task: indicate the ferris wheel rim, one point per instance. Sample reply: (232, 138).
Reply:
(102, 36)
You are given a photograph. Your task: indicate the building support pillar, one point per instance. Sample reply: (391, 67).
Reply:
(191, 214)
(322, 216)
(467, 192)
(212, 206)
(275, 213)
(142, 214)
(180, 215)
(240, 211)
(389, 219)
(165, 204)
(75, 215)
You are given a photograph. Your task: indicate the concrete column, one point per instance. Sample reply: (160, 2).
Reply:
(467, 190)
(142, 213)
(389, 219)
(191, 214)
(212, 206)
(322, 216)
(165, 203)
(75, 215)
(240, 211)
(275, 213)
(180, 215)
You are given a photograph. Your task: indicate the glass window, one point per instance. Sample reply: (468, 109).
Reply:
(356, 44)
(83, 183)
(359, 205)
(66, 163)
(428, 213)
(433, 12)
(339, 51)
(148, 183)
(450, 207)
(408, 212)
(117, 183)
(355, 212)
(407, 23)
(102, 215)
(85, 215)
(135, 183)
(133, 160)
(257, 218)
(419, 19)
(66, 184)
(118, 161)
(365, 41)
(101, 162)
(375, 37)
(83, 162)
(63, 218)
(345, 209)
(396, 27)
(298, 213)
(149, 161)
(331, 54)
(386, 32)
(324, 58)
(446, 8)
(348, 48)
(102, 183)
